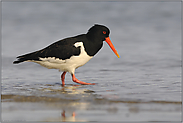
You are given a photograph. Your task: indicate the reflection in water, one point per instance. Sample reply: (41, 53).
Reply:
(65, 102)
(56, 93)
(64, 118)
(70, 110)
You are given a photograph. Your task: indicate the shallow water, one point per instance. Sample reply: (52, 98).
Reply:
(144, 81)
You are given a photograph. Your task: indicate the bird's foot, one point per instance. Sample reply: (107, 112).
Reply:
(80, 82)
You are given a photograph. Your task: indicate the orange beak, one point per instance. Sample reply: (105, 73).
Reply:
(112, 46)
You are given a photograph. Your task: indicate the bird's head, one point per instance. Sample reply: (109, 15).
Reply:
(101, 33)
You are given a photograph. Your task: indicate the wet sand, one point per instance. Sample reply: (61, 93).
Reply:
(36, 108)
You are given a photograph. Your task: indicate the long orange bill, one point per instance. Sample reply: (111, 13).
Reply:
(112, 46)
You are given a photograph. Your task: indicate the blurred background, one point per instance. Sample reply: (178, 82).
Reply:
(146, 79)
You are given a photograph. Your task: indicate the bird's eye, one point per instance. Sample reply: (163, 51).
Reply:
(104, 32)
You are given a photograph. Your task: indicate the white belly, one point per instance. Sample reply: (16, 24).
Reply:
(68, 65)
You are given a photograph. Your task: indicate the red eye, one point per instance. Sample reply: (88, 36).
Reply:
(104, 32)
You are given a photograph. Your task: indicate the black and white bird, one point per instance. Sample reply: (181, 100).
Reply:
(70, 53)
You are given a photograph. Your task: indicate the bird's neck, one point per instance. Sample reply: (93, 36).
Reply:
(93, 45)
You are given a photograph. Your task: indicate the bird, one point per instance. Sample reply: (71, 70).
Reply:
(68, 54)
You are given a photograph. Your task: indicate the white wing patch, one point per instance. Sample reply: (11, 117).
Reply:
(52, 60)
(77, 44)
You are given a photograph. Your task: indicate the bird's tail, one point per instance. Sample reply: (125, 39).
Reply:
(25, 57)
(19, 60)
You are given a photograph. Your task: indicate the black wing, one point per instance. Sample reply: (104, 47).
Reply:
(62, 49)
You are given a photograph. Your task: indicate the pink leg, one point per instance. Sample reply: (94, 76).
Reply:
(63, 77)
(80, 82)
(73, 114)
(63, 113)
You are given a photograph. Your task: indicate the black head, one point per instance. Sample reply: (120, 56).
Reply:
(98, 32)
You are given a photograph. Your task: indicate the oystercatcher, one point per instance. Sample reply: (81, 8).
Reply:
(70, 53)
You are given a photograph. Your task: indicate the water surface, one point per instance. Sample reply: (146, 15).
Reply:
(144, 81)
